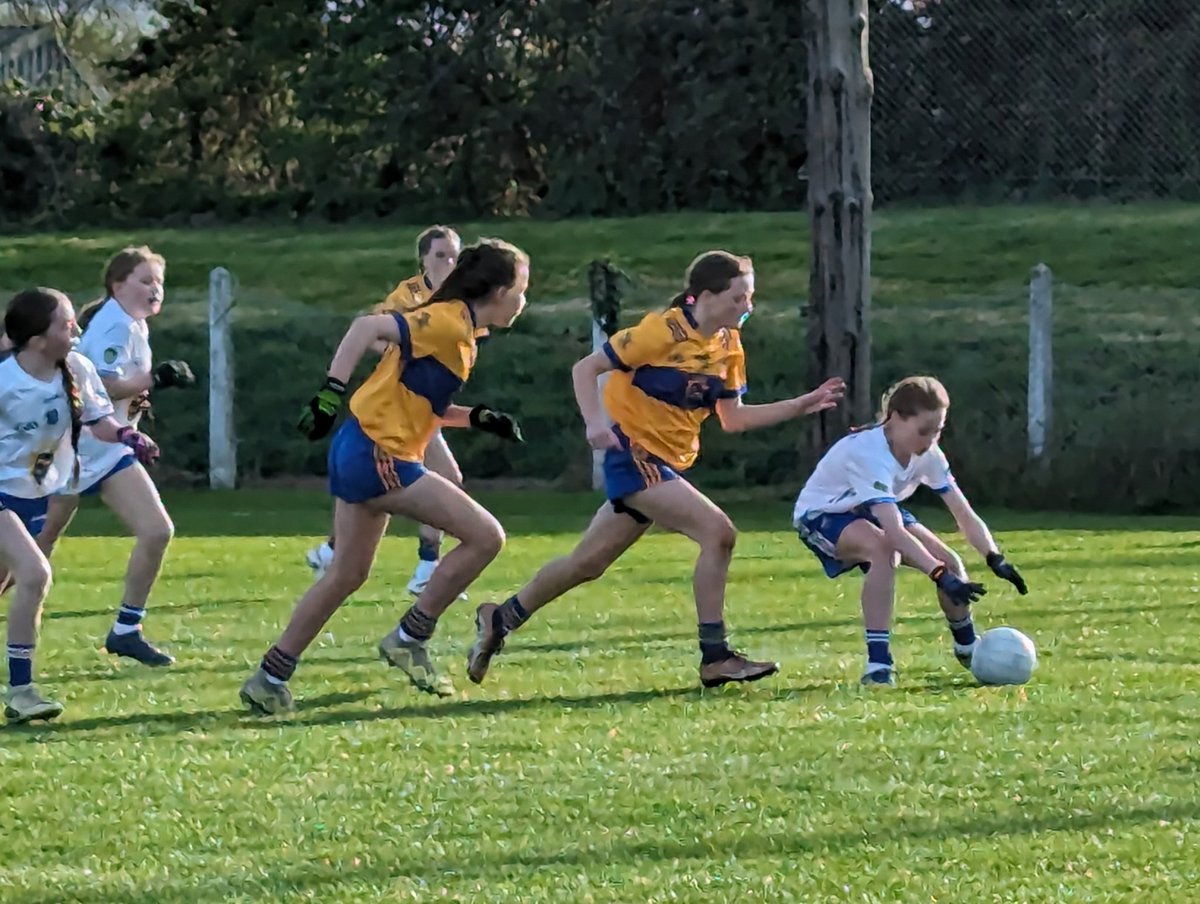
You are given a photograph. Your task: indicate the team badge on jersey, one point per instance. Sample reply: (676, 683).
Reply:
(110, 355)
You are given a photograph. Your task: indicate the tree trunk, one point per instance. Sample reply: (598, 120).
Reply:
(840, 87)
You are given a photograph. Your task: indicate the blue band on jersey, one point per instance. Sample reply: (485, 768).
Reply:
(821, 532)
(630, 470)
(433, 381)
(127, 461)
(30, 512)
(405, 341)
(677, 387)
(614, 357)
(359, 470)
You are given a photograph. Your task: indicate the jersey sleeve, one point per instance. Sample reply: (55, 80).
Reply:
(935, 471)
(112, 352)
(96, 403)
(645, 343)
(735, 368)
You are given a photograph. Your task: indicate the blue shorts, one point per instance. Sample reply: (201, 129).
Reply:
(631, 469)
(820, 533)
(359, 470)
(127, 461)
(31, 512)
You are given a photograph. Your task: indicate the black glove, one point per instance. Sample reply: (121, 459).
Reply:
(318, 415)
(959, 591)
(173, 373)
(1002, 569)
(503, 425)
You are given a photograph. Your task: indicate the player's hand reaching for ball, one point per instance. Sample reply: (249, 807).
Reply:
(824, 397)
(1002, 568)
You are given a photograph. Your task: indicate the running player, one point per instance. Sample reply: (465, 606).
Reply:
(670, 372)
(375, 461)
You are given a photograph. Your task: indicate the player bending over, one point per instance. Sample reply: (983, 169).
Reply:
(849, 515)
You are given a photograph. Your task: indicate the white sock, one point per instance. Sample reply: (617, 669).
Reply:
(273, 680)
(424, 571)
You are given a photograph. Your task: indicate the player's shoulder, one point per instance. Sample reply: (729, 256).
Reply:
(81, 365)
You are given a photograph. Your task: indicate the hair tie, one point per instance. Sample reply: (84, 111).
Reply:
(689, 299)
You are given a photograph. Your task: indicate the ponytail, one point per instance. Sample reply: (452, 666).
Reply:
(75, 403)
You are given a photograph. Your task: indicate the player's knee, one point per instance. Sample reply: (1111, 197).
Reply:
(882, 554)
(488, 538)
(36, 576)
(721, 535)
(347, 575)
(159, 534)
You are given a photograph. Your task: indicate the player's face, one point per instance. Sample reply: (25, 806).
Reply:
(918, 433)
(736, 303)
(60, 336)
(440, 260)
(142, 291)
(510, 302)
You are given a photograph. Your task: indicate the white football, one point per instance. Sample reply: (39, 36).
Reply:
(1003, 656)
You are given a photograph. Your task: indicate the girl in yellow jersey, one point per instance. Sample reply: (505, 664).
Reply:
(670, 372)
(375, 461)
(438, 248)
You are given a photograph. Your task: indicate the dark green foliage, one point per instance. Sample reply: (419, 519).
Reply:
(575, 107)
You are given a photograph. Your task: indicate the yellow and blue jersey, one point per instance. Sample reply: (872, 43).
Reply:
(399, 406)
(668, 380)
(409, 294)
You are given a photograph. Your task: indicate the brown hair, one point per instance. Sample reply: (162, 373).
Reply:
(431, 234)
(912, 396)
(119, 269)
(712, 271)
(28, 315)
(482, 268)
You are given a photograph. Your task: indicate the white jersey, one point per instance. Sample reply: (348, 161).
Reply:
(119, 346)
(36, 458)
(860, 470)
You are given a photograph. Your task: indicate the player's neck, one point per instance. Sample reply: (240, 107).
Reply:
(129, 308)
(36, 364)
(701, 321)
(901, 457)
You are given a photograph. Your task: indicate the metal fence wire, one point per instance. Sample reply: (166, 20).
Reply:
(1011, 100)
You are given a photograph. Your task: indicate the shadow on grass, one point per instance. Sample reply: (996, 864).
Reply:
(266, 882)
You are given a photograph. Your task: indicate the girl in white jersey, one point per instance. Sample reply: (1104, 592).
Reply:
(48, 393)
(849, 515)
(116, 340)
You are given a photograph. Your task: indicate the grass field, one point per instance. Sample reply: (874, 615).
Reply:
(590, 766)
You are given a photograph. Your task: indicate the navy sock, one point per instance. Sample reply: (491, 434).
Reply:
(963, 631)
(879, 651)
(512, 614)
(20, 664)
(278, 664)
(429, 550)
(417, 625)
(714, 645)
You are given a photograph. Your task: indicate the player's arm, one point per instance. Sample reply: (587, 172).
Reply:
(585, 376)
(97, 412)
(736, 416)
(887, 513)
(364, 332)
(318, 415)
(980, 537)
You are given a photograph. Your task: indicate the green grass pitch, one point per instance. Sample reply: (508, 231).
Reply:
(591, 766)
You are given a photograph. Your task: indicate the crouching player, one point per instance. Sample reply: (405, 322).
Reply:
(849, 515)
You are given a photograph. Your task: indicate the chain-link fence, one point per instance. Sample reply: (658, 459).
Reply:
(993, 100)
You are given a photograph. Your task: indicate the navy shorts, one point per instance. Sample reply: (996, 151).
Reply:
(821, 532)
(127, 461)
(359, 470)
(631, 469)
(31, 512)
